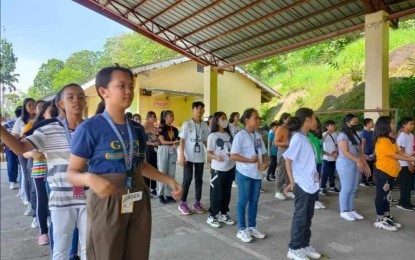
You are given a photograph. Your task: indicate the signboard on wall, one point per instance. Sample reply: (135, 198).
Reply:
(161, 103)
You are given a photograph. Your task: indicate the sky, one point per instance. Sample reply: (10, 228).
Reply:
(44, 29)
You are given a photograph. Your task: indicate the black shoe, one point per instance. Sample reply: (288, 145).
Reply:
(405, 207)
(153, 193)
(272, 178)
(323, 192)
(334, 189)
(267, 178)
(170, 199)
(75, 257)
(371, 184)
(162, 200)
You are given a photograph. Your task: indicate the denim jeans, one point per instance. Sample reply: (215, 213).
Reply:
(248, 192)
(328, 174)
(12, 164)
(349, 179)
(301, 224)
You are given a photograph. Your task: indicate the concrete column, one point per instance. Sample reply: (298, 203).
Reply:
(210, 90)
(376, 63)
(135, 106)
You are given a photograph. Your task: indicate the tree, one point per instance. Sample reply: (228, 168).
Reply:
(7, 66)
(84, 62)
(11, 101)
(43, 82)
(66, 76)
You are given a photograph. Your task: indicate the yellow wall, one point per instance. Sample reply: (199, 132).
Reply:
(92, 104)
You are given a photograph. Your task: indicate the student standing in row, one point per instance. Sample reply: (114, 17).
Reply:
(152, 145)
(386, 169)
(330, 153)
(167, 154)
(193, 137)
(234, 123)
(405, 142)
(222, 171)
(300, 159)
(248, 150)
(350, 164)
(368, 149)
(281, 141)
(119, 211)
(272, 152)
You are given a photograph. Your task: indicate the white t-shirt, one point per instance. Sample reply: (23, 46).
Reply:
(407, 141)
(220, 144)
(329, 145)
(303, 155)
(244, 145)
(189, 132)
(234, 129)
(18, 126)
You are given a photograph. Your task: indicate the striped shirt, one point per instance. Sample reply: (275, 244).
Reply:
(51, 140)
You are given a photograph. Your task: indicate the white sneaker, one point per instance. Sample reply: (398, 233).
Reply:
(13, 186)
(384, 225)
(213, 222)
(298, 254)
(28, 211)
(311, 252)
(320, 205)
(347, 216)
(244, 235)
(316, 205)
(290, 195)
(26, 203)
(280, 196)
(34, 224)
(234, 184)
(356, 215)
(254, 232)
(226, 219)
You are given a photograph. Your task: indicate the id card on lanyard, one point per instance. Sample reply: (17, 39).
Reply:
(77, 191)
(197, 145)
(257, 145)
(127, 205)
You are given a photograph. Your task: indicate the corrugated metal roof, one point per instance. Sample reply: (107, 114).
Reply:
(217, 32)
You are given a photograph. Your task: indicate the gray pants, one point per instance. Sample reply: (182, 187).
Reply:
(166, 164)
(281, 176)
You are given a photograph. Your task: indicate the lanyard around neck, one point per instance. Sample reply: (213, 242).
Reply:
(253, 140)
(200, 129)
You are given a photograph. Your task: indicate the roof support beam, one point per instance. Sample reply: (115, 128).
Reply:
(166, 10)
(135, 7)
(313, 40)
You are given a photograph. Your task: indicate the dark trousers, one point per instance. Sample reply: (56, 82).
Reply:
(382, 196)
(12, 165)
(272, 166)
(220, 191)
(42, 201)
(406, 179)
(301, 224)
(319, 167)
(151, 157)
(328, 174)
(367, 180)
(188, 177)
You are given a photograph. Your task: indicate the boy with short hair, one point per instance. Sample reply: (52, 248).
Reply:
(330, 152)
(368, 149)
(272, 152)
(193, 136)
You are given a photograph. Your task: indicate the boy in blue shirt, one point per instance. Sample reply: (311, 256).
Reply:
(272, 152)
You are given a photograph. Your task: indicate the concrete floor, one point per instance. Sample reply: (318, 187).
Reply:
(189, 237)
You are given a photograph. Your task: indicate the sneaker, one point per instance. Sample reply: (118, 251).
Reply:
(298, 254)
(320, 205)
(43, 240)
(280, 196)
(213, 222)
(316, 206)
(162, 200)
(234, 184)
(334, 190)
(13, 186)
(391, 221)
(381, 224)
(244, 235)
(28, 211)
(311, 252)
(363, 184)
(290, 195)
(407, 208)
(254, 232)
(323, 192)
(356, 215)
(272, 178)
(170, 199)
(347, 216)
(34, 224)
(226, 219)
(198, 207)
(26, 202)
(153, 193)
(184, 209)
(262, 190)
(267, 178)
(371, 184)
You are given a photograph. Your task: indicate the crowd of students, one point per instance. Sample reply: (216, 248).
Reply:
(94, 178)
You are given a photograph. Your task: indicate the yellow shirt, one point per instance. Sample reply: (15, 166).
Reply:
(27, 127)
(384, 149)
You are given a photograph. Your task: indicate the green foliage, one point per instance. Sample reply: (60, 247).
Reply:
(43, 82)
(7, 66)
(66, 76)
(84, 62)
(11, 101)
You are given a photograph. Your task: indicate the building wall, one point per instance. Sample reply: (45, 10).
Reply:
(92, 104)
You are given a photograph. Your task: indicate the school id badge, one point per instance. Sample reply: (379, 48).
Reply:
(197, 148)
(127, 201)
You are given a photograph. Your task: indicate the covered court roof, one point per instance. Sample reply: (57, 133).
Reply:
(224, 33)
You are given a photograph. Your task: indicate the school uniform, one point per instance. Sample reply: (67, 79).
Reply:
(167, 157)
(329, 163)
(222, 173)
(304, 168)
(234, 129)
(111, 234)
(195, 135)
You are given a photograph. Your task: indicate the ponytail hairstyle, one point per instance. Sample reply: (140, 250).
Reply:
(246, 115)
(163, 116)
(383, 129)
(26, 114)
(62, 91)
(104, 77)
(100, 108)
(283, 117)
(349, 131)
(297, 121)
(232, 117)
